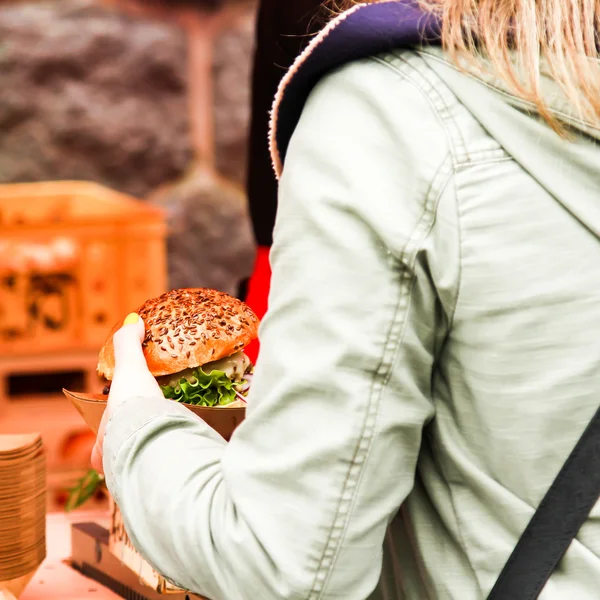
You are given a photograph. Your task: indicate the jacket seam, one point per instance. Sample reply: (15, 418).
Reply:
(361, 450)
(460, 255)
(486, 160)
(442, 471)
(403, 267)
(457, 144)
(457, 205)
(463, 156)
(471, 160)
(522, 103)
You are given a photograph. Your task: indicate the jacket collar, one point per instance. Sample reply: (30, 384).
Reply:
(363, 31)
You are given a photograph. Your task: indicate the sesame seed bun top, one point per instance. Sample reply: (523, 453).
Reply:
(187, 328)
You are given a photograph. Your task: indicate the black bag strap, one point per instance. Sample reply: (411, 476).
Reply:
(371, 29)
(556, 523)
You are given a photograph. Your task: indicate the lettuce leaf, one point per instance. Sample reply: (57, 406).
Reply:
(202, 389)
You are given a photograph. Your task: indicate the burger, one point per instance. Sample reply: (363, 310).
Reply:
(194, 346)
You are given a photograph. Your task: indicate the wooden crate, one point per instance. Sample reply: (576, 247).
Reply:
(62, 366)
(75, 257)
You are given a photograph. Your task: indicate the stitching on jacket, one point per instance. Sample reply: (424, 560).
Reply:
(360, 454)
(445, 103)
(409, 73)
(506, 94)
(487, 157)
(452, 315)
(403, 268)
(440, 105)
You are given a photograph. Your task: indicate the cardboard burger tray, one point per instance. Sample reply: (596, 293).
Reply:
(91, 556)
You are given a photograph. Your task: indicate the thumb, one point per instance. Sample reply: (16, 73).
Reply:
(131, 377)
(127, 343)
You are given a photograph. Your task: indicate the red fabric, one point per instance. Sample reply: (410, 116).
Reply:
(258, 293)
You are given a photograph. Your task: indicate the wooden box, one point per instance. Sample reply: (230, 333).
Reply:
(91, 557)
(121, 547)
(75, 257)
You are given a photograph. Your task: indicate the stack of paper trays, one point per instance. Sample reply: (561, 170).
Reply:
(22, 510)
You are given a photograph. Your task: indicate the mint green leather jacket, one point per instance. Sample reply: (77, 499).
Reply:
(430, 357)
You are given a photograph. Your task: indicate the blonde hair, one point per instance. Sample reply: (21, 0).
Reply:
(516, 36)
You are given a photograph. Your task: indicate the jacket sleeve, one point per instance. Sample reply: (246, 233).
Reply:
(296, 506)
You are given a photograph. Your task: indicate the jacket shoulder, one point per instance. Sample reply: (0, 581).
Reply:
(410, 116)
(417, 104)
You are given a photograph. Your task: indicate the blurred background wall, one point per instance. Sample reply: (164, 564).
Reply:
(147, 98)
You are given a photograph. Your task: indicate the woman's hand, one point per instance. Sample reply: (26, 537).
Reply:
(131, 378)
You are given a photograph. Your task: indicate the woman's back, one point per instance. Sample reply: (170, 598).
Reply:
(494, 220)
(517, 379)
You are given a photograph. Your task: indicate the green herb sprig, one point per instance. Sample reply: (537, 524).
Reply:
(84, 489)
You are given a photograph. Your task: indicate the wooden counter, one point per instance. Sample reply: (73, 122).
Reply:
(55, 580)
